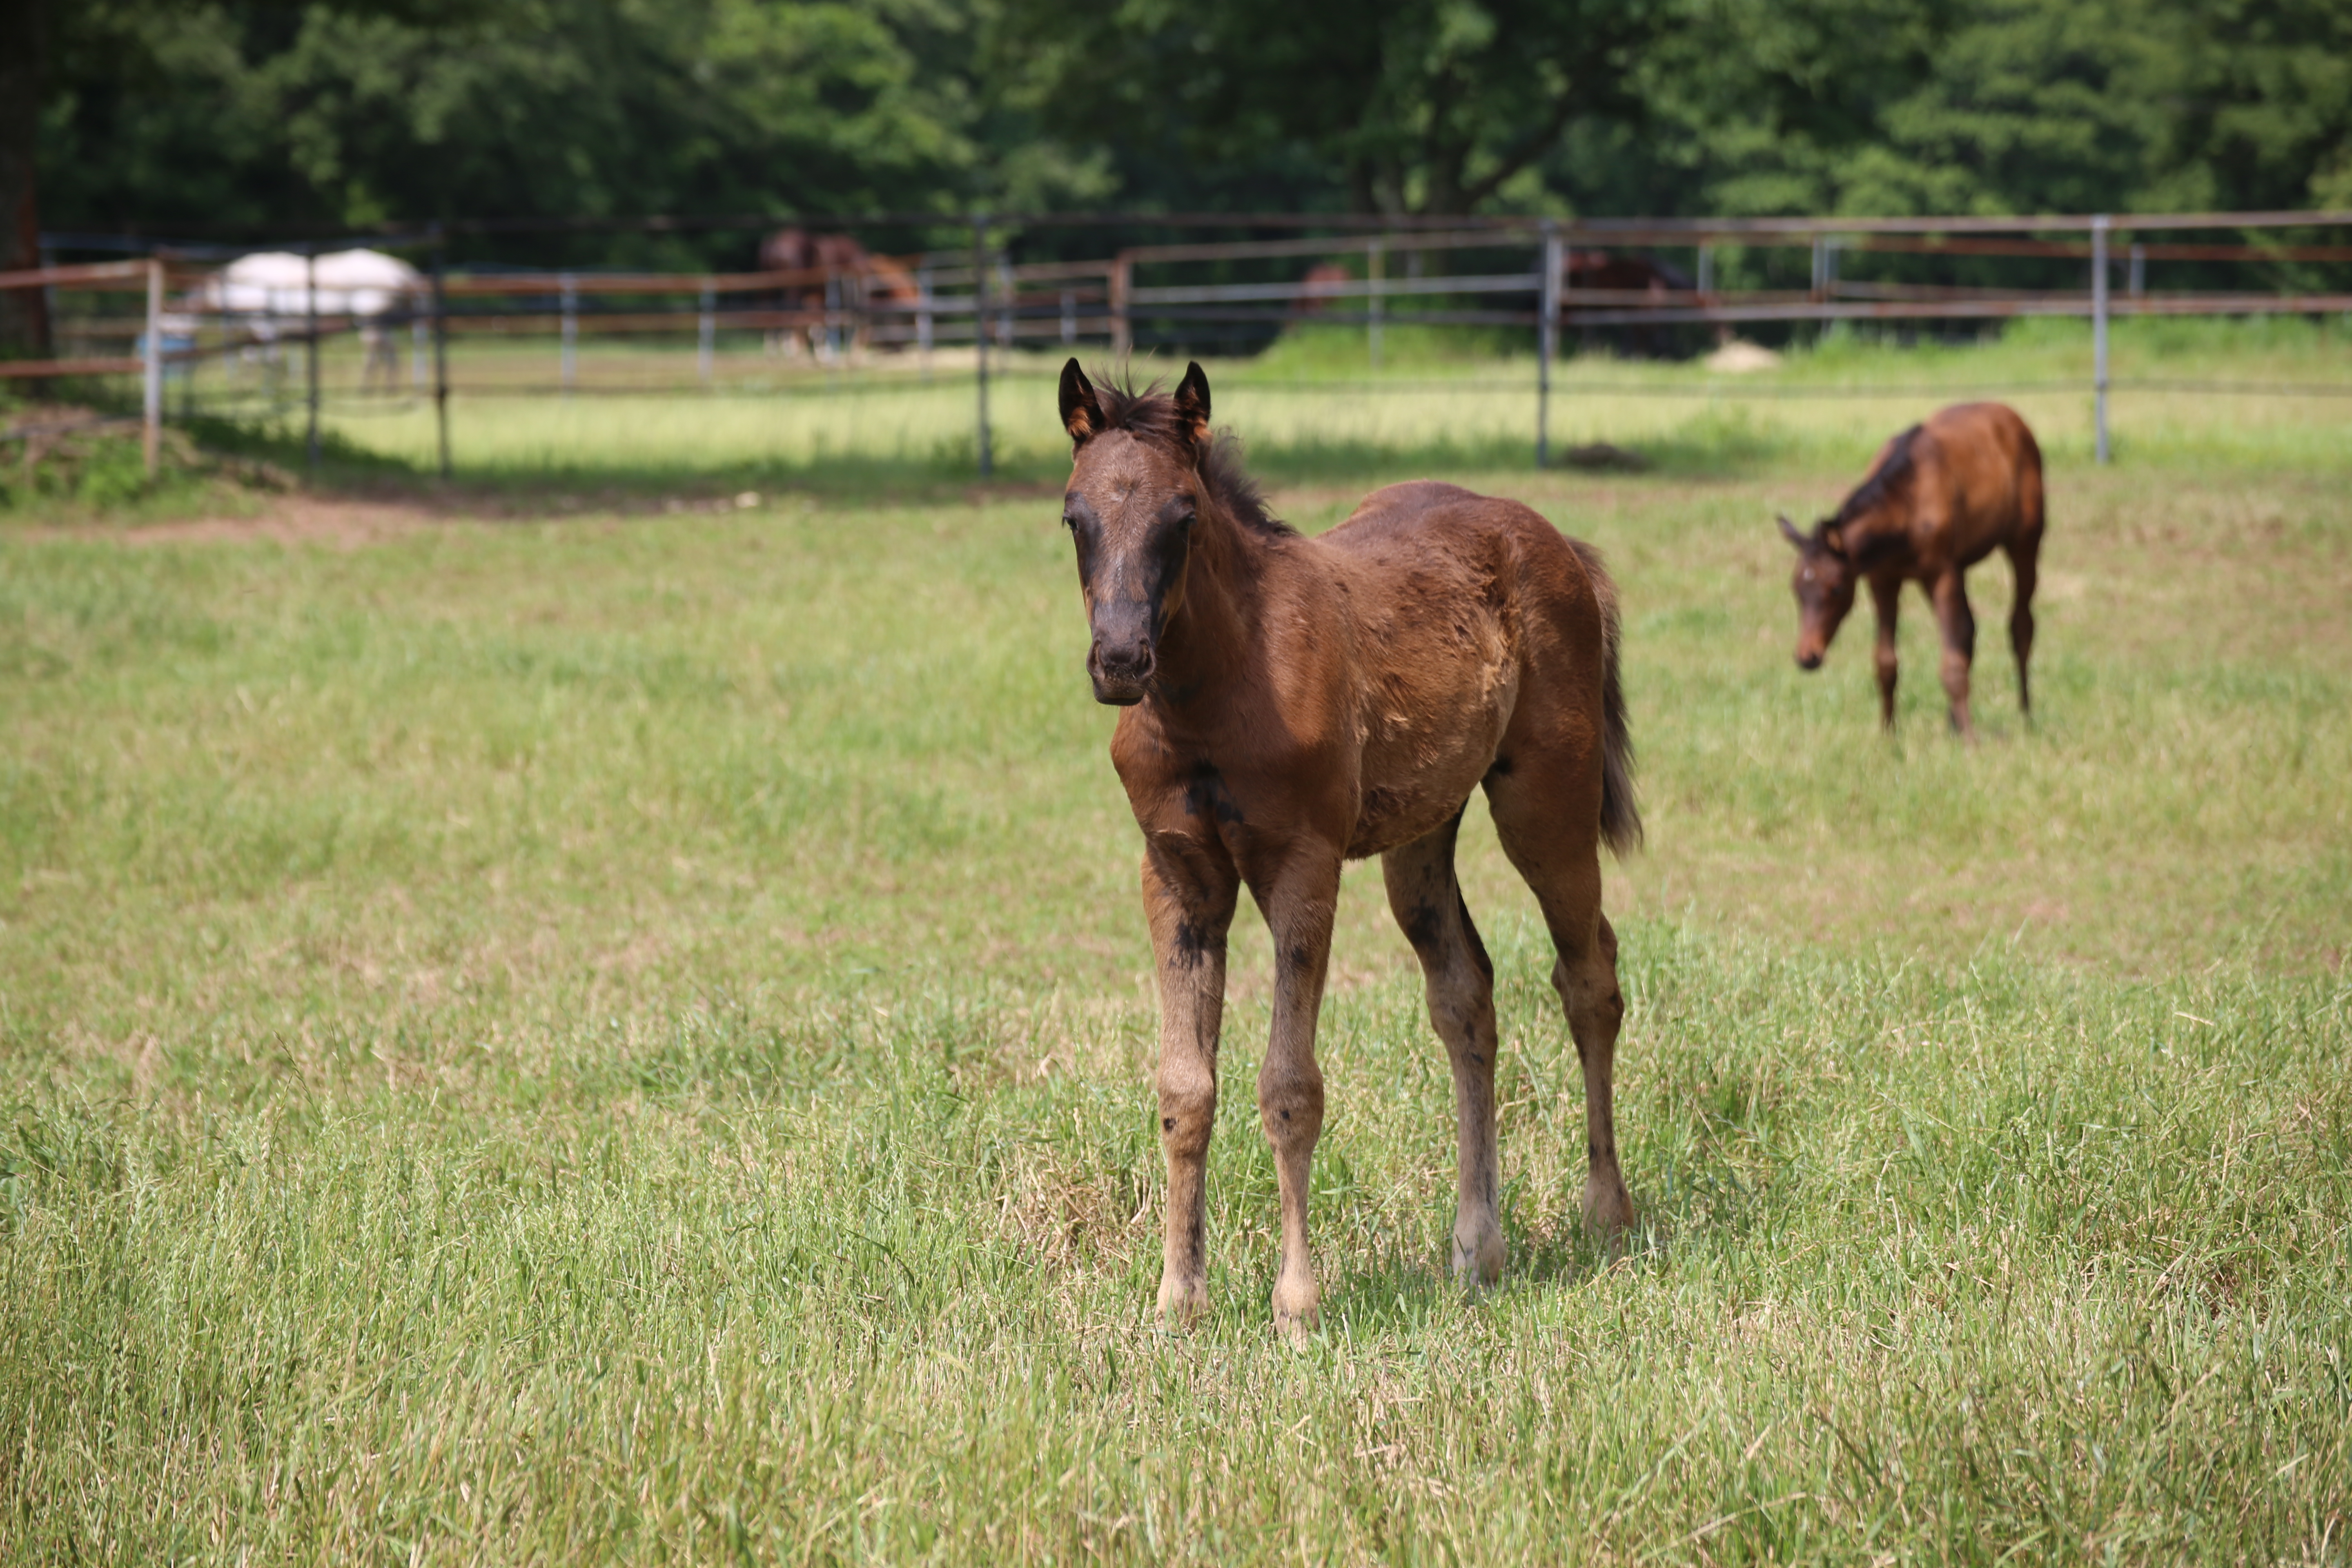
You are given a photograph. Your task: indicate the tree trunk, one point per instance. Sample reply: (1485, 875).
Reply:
(24, 312)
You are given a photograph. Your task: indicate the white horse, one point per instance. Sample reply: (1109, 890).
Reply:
(272, 292)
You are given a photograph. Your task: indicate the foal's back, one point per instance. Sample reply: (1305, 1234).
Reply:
(1434, 570)
(1474, 626)
(1980, 485)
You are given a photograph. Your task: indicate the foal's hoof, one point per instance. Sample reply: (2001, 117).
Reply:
(1478, 1262)
(1607, 1208)
(1183, 1303)
(1297, 1310)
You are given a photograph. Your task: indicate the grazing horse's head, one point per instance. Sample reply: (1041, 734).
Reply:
(1135, 493)
(1823, 582)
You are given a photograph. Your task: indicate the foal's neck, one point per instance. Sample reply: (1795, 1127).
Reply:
(1207, 640)
(1880, 537)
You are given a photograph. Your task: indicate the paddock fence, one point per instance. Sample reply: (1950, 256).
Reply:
(950, 312)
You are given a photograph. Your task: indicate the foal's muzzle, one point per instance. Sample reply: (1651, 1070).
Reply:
(1121, 668)
(1808, 658)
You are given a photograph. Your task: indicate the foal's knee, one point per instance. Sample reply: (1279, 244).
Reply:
(1188, 1113)
(1290, 1104)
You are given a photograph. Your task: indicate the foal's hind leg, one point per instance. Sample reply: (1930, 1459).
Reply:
(1547, 812)
(1427, 902)
(2023, 557)
(1958, 623)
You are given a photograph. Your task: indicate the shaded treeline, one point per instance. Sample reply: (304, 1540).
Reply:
(165, 113)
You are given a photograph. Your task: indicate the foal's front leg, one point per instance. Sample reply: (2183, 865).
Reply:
(1297, 903)
(1886, 598)
(1188, 892)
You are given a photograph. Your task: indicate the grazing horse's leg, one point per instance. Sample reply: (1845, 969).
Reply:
(1427, 902)
(1886, 598)
(1189, 897)
(1546, 812)
(1297, 901)
(1951, 593)
(2024, 553)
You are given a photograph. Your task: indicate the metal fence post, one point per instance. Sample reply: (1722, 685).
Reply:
(1547, 342)
(310, 360)
(151, 390)
(440, 350)
(706, 332)
(923, 330)
(1706, 270)
(1122, 324)
(980, 332)
(1375, 267)
(2138, 270)
(1069, 314)
(2099, 325)
(570, 297)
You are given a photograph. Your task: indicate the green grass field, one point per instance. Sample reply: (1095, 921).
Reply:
(604, 1036)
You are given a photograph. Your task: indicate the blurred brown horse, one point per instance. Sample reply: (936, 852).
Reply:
(841, 280)
(1295, 703)
(1942, 495)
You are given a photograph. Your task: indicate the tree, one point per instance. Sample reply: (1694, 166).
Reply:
(362, 114)
(23, 53)
(1404, 106)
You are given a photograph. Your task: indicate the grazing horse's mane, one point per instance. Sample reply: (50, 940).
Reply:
(1889, 476)
(1151, 415)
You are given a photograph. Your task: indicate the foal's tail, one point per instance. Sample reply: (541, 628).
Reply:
(1621, 819)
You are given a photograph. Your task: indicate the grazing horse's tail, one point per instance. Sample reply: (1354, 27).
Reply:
(1621, 819)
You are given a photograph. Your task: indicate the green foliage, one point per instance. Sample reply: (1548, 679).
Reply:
(353, 112)
(1902, 106)
(1404, 105)
(214, 115)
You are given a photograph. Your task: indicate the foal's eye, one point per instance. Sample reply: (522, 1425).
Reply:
(1069, 522)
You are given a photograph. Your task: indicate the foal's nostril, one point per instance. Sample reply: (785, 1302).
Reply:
(1133, 661)
(1809, 661)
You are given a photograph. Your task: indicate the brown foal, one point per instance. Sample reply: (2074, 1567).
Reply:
(1941, 497)
(1294, 703)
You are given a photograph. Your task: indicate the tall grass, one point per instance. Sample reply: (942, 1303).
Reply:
(627, 1038)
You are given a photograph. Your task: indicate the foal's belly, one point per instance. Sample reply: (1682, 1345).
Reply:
(1430, 728)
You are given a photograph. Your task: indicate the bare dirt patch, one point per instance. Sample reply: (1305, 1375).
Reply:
(340, 521)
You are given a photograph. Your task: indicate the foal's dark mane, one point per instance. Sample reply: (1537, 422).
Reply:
(1151, 415)
(1885, 481)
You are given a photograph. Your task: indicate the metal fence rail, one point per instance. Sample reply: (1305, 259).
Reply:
(976, 299)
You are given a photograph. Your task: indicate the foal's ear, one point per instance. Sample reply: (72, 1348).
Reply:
(1193, 403)
(1795, 537)
(1081, 414)
(1833, 539)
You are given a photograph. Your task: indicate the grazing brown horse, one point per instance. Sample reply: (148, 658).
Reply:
(1294, 703)
(1941, 497)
